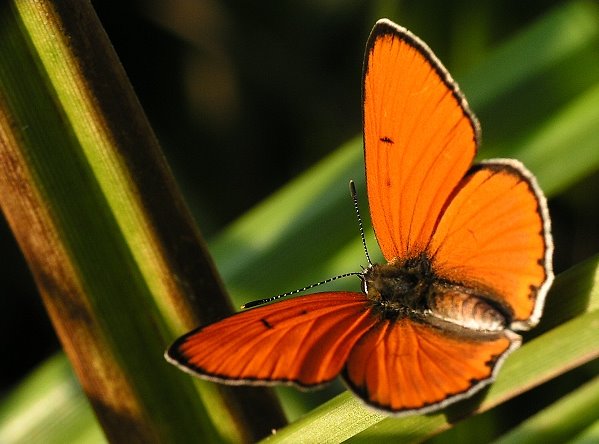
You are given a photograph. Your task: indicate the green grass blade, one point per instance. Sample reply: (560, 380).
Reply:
(108, 239)
(29, 413)
(588, 436)
(551, 40)
(561, 421)
(549, 149)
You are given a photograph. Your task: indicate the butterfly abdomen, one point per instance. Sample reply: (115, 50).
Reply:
(410, 287)
(459, 306)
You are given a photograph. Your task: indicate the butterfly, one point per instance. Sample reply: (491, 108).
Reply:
(468, 251)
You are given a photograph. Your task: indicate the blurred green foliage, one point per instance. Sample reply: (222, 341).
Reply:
(246, 96)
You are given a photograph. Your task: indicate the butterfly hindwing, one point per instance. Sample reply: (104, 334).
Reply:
(408, 366)
(419, 138)
(494, 235)
(304, 341)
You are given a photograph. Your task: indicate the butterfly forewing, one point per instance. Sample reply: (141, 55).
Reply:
(419, 138)
(304, 340)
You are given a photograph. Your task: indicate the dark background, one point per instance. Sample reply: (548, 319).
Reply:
(245, 96)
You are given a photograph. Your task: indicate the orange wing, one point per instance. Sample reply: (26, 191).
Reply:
(494, 235)
(419, 138)
(406, 366)
(304, 340)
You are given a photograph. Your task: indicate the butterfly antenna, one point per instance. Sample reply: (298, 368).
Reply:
(299, 290)
(354, 196)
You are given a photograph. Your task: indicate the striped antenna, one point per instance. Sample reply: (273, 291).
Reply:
(354, 196)
(299, 290)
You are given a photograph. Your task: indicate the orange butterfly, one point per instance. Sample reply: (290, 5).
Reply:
(468, 248)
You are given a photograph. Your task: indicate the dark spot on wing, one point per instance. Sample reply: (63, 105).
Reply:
(386, 140)
(490, 363)
(267, 324)
(533, 291)
(304, 312)
(474, 381)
